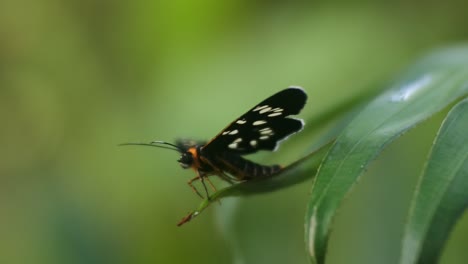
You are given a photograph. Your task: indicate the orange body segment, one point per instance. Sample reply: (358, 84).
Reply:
(196, 161)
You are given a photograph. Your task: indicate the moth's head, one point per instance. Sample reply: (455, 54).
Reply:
(189, 152)
(186, 160)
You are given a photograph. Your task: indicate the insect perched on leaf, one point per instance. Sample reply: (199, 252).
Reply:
(260, 128)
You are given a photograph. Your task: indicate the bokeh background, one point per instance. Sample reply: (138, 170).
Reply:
(79, 77)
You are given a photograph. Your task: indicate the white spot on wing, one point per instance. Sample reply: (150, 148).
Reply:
(265, 110)
(277, 109)
(264, 137)
(274, 114)
(266, 132)
(240, 122)
(235, 143)
(232, 146)
(259, 108)
(259, 122)
(225, 132)
(253, 143)
(235, 131)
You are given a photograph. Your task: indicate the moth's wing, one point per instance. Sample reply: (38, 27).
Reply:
(263, 126)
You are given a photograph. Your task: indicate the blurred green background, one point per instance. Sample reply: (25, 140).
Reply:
(79, 77)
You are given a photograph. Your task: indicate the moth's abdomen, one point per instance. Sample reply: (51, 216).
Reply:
(244, 169)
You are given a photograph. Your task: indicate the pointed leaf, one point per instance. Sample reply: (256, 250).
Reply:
(425, 89)
(441, 196)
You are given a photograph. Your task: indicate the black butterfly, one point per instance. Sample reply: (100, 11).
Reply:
(260, 128)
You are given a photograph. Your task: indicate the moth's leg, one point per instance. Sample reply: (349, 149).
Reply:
(202, 180)
(212, 187)
(193, 187)
(211, 184)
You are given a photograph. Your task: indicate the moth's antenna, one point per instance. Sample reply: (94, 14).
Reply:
(154, 144)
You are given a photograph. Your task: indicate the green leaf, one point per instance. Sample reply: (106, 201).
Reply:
(441, 195)
(423, 90)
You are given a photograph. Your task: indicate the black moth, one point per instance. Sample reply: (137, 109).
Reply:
(260, 128)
